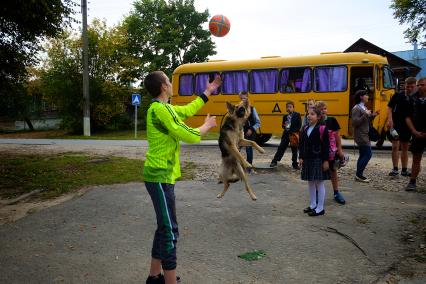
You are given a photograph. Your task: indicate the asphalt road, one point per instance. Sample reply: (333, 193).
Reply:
(105, 236)
(129, 143)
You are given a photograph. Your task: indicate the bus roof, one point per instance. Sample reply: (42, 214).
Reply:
(279, 62)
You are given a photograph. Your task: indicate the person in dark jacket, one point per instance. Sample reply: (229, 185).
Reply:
(314, 154)
(416, 121)
(250, 127)
(291, 124)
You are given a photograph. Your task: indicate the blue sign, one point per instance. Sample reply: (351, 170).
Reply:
(136, 99)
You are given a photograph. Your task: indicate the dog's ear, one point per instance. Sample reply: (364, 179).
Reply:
(230, 107)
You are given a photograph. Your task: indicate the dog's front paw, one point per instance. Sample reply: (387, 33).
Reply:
(247, 165)
(261, 150)
(253, 197)
(220, 195)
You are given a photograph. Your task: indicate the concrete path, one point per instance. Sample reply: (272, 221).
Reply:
(274, 142)
(105, 236)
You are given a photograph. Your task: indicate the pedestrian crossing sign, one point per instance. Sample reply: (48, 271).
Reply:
(136, 99)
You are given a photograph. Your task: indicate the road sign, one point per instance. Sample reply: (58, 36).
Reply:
(136, 99)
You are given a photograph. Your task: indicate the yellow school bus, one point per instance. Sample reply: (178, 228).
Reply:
(273, 81)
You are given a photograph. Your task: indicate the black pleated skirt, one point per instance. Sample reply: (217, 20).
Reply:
(312, 170)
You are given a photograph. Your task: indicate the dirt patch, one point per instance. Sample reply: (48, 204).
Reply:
(12, 213)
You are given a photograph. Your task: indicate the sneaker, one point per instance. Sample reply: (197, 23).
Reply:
(344, 161)
(362, 179)
(393, 173)
(339, 198)
(411, 187)
(273, 164)
(405, 173)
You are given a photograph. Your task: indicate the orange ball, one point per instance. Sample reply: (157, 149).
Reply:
(219, 25)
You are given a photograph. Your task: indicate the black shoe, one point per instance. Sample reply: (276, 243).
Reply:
(308, 209)
(273, 164)
(314, 213)
(159, 279)
(406, 174)
(411, 187)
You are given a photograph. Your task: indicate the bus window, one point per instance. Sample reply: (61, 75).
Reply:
(295, 80)
(263, 81)
(186, 86)
(331, 79)
(234, 82)
(201, 80)
(388, 81)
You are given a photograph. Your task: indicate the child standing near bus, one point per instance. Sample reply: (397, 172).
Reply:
(313, 159)
(336, 157)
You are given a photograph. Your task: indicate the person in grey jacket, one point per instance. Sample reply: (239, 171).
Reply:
(361, 118)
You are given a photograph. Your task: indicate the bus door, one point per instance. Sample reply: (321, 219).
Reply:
(361, 78)
(385, 88)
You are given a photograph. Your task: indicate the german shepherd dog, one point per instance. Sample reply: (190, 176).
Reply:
(230, 140)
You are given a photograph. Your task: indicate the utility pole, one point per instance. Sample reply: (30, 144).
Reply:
(86, 96)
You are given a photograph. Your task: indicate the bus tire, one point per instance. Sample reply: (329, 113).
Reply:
(261, 139)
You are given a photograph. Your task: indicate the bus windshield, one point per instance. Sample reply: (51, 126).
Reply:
(388, 79)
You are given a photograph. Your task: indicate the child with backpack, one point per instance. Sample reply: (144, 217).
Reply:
(313, 159)
(336, 157)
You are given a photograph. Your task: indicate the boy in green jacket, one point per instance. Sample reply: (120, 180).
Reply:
(165, 129)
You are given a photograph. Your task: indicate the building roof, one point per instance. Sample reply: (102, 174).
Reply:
(396, 62)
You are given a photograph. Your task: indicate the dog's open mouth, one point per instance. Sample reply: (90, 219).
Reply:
(241, 111)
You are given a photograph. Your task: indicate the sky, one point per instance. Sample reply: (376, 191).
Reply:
(286, 27)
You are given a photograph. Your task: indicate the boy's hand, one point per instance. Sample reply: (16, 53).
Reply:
(209, 122)
(212, 87)
(325, 166)
(300, 162)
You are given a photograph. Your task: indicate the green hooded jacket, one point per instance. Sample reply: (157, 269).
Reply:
(165, 129)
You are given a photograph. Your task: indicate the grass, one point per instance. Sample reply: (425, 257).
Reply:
(58, 174)
(55, 175)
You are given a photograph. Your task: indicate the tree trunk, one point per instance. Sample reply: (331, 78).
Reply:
(28, 121)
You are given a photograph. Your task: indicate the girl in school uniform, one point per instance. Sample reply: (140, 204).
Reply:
(313, 159)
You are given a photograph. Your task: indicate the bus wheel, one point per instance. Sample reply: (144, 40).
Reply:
(261, 139)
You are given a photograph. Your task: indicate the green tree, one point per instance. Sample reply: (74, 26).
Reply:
(163, 35)
(412, 12)
(23, 24)
(62, 76)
